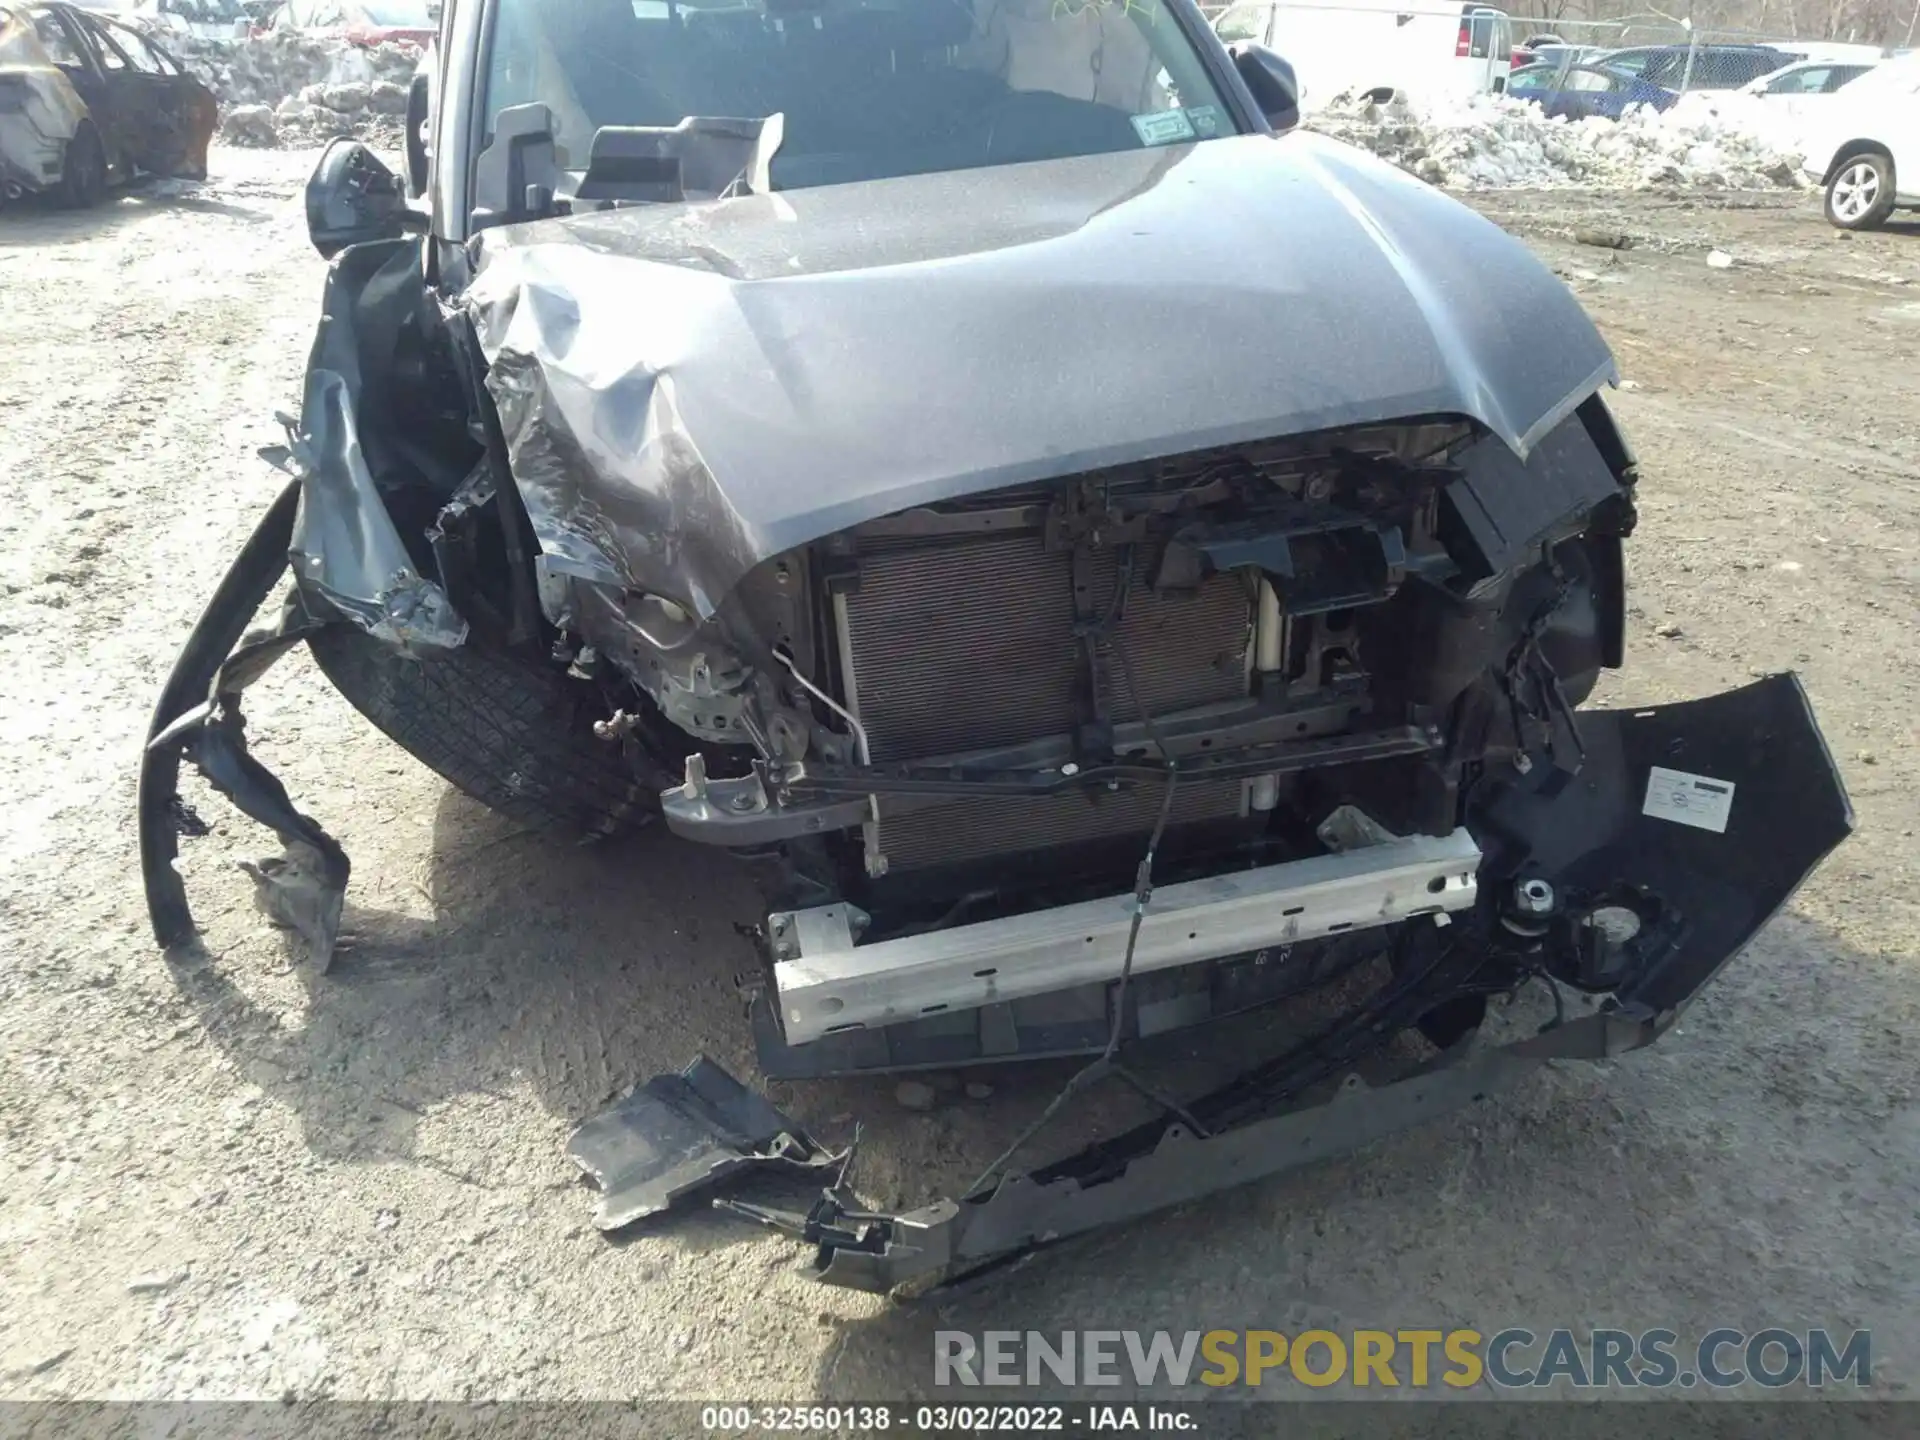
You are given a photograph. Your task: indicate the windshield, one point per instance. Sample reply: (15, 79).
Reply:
(867, 88)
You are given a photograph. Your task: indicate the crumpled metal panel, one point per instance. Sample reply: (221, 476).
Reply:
(347, 554)
(686, 390)
(345, 545)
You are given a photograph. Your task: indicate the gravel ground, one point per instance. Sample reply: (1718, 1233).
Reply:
(222, 1177)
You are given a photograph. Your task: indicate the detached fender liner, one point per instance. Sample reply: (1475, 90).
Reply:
(199, 716)
(244, 589)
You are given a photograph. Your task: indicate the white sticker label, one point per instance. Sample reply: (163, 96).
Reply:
(1688, 799)
(1163, 127)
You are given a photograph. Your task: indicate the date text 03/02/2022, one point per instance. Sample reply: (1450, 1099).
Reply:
(939, 1419)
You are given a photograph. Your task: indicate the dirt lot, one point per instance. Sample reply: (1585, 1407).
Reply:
(222, 1178)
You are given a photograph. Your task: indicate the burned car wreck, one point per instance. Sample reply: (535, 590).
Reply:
(1106, 563)
(86, 101)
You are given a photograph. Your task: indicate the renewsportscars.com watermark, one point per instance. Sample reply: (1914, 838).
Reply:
(1512, 1359)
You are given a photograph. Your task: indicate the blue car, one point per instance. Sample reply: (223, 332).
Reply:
(1577, 91)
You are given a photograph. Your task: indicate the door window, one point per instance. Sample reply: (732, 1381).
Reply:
(59, 45)
(136, 50)
(1801, 82)
(1589, 82)
(1482, 36)
(112, 59)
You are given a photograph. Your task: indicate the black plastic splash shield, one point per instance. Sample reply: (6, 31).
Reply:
(680, 1134)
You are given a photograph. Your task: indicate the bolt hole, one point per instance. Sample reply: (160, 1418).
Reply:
(1296, 910)
(1436, 884)
(983, 974)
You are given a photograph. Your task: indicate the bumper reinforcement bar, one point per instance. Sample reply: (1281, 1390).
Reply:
(826, 982)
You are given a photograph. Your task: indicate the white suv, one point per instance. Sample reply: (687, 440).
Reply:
(1865, 146)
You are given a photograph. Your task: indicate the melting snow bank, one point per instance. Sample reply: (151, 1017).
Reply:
(286, 87)
(1488, 142)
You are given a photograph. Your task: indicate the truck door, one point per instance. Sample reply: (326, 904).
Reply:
(156, 106)
(1473, 53)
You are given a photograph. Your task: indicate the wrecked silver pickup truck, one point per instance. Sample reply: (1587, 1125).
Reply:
(1107, 561)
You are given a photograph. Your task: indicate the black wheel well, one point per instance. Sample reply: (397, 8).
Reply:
(1852, 150)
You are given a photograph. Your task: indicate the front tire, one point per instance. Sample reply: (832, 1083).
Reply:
(1860, 194)
(514, 734)
(83, 170)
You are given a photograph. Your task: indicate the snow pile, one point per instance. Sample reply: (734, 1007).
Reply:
(1769, 120)
(312, 87)
(1489, 142)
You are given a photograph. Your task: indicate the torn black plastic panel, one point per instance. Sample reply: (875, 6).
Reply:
(678, 1135)
(688, 390)
(199, 718)
(1616, 829)
(1502, 505)
(1687, 828)
(241, 592)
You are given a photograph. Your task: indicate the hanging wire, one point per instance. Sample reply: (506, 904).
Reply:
(1104, 1063)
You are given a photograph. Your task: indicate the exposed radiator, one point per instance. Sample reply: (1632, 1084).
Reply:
(968, 645)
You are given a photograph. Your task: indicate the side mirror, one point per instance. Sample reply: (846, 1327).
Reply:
(419, 106)
(1272, 82)
(352, 198)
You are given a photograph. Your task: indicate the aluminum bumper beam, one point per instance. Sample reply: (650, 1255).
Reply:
(827, 982)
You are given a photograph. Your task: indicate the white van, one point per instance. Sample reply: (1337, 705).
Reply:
(1377, 46)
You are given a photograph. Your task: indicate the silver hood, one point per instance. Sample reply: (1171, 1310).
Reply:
(687, 390)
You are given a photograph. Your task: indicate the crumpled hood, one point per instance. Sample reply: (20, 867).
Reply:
(687, 390)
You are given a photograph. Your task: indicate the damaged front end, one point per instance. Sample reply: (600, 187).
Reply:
(1687, 827)
(1050, 736)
